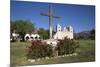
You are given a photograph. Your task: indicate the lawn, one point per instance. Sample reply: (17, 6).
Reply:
(86, 53)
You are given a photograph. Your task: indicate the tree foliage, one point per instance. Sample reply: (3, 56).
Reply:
(67, 46)
(44, 33)
(23, 26)
(92, 32)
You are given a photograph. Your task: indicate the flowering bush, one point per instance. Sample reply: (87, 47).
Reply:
(67, 46)
(39, 50)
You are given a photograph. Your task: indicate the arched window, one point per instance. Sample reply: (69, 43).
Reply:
(36, 37)
(27, 38)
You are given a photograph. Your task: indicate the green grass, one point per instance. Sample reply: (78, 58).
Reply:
(86, 53)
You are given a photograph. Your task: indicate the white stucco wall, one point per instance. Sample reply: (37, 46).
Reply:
(64, 33)
(32, 36)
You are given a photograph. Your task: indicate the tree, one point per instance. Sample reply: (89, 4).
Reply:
(22, 27)
(11, 27)
(92, 32)
(44, 33)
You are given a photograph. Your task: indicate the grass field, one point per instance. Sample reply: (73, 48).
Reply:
(86, 53)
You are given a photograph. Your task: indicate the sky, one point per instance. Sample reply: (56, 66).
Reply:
(80, 17)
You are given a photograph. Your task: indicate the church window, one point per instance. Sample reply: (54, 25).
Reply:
(36, 37)
(27, 38)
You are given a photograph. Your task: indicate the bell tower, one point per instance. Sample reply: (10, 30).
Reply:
(70, 29)
(58, 28)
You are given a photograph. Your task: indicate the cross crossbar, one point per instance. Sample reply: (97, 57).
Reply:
(50, 15)
(47, 14)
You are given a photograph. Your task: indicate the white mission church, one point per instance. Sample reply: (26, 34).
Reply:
(66, 32)
(62, 33)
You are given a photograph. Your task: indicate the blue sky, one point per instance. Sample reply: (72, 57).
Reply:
(80, 17)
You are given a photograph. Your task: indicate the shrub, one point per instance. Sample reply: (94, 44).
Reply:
(39, 50)
(67, 46)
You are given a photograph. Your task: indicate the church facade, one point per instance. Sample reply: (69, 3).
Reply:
(62, 33)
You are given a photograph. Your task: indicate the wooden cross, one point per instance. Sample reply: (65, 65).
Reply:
(50, 15)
